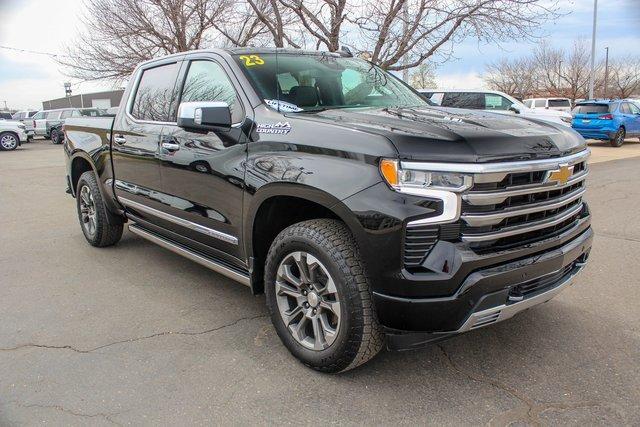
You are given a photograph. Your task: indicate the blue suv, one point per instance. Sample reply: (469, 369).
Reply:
(606, 120)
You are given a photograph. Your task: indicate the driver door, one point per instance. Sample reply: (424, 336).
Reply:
(203, 171)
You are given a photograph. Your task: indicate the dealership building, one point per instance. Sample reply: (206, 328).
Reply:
(106, 99)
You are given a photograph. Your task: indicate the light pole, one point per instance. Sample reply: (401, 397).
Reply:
(405, 29)
(592, 74)
(606, 73)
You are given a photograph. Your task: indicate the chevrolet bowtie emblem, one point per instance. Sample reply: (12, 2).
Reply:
(560, 175)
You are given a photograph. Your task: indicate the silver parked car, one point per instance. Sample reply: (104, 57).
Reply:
(24, 117)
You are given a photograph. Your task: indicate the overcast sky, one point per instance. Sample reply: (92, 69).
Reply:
(26, 79)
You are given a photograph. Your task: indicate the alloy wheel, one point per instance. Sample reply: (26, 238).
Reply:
(308, 300)
(8, 142)
(620, 136)
(88, 210)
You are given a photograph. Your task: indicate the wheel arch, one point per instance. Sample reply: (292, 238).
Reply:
(79, 163)
(276, 206)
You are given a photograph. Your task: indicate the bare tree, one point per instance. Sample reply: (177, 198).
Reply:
(277, 19)
(404, 33)
(121, 33)
(624, 77)
(575, 72)
(513, 76)
(423, 77)
(241, 26)
(322, 19)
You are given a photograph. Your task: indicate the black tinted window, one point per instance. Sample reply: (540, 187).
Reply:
(470, 100)
(207, 81)
(155, 94)
(591, 109)
(559, 103)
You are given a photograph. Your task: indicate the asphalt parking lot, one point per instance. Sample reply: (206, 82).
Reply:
(135, 334)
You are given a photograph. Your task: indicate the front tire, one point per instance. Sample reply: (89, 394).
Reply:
(318, 296)
(618, 138)
(93, 214)
(8, 141)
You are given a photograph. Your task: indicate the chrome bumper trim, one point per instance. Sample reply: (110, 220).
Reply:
(502, 312)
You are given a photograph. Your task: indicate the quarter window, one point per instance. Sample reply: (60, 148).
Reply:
(155, 94)
(207, 81)
(624, 108)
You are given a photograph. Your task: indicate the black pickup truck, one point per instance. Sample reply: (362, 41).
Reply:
(368, 217)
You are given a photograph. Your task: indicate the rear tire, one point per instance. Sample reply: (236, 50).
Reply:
(8, 141)
(324, 315)
(55, 136)
(619, 137)
(99, 226)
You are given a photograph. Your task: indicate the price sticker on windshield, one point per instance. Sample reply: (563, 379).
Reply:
(252, 60)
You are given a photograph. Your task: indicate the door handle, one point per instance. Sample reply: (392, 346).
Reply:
(170, 146)
(119, 139)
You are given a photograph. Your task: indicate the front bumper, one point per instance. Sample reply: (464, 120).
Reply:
(485, 297)
(22, 136)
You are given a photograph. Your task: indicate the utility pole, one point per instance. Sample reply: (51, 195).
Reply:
(405, 28)
(592, 74)
(606, 73)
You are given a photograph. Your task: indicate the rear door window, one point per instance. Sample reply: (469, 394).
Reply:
(66, 114)
(155, 96)
(39, 115)
(53, 115)
(559, 103)
(496, 102)
(591, 109)
(474, 101)
(624, 108)
(540, 103)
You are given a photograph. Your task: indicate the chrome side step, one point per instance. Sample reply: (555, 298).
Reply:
(193, 256)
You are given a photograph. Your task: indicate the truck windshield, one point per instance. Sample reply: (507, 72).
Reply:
(303, 82)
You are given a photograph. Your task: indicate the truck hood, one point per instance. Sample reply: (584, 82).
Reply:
(447, 134)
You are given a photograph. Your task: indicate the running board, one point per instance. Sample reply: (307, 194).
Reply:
(216, 266)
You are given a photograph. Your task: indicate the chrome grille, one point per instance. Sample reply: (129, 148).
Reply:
(495, 208)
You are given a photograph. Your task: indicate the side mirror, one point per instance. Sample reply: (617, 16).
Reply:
(514, 109)
(204, 115)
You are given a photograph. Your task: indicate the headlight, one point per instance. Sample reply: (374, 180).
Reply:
(566, 119)
(400, 179)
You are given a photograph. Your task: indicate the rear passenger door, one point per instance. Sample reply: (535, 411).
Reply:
(135, 141)
(203, 172)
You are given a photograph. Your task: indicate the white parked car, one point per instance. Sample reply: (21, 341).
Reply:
(40, 123)
(12, 134)
(493, 101)
(559, 104)
(24, 117)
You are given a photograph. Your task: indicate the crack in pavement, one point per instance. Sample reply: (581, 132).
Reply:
(60, 408)
(158, 334)
(530, 410)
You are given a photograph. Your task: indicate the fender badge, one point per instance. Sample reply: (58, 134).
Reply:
(280, 128)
